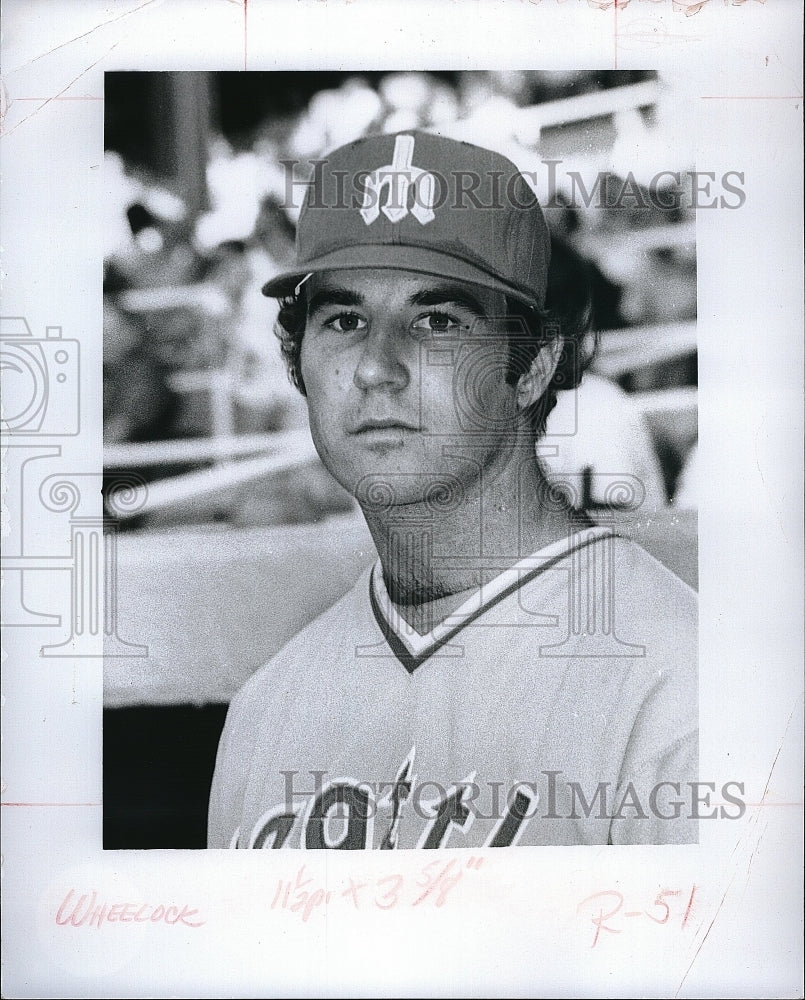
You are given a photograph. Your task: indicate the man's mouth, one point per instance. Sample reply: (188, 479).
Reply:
(391, 424)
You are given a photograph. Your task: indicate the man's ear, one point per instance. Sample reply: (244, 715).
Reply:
(532, 385)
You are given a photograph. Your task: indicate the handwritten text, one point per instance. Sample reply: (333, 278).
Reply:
(87, 910)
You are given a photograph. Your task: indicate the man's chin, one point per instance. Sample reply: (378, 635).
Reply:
(385, 445)
(397, 486)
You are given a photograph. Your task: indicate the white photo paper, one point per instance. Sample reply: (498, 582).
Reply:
(574, 632)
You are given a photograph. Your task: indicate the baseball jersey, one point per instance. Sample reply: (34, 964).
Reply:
(557, 705)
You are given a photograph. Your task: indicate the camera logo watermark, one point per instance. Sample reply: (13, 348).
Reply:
(40, 378)
(41, 400)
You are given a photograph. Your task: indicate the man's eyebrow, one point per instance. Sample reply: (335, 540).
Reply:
(449, 294)
(333, 297)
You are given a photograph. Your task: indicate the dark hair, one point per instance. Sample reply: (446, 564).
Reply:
(567, 317)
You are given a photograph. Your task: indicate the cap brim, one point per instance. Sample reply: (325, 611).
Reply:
(423, 260)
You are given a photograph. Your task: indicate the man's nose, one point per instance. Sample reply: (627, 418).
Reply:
(382, 362)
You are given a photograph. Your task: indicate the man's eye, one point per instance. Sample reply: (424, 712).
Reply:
(347, 323)
(437, 322)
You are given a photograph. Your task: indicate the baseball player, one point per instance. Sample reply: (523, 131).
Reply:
(508, 672)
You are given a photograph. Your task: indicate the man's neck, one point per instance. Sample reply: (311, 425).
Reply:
(435, 559)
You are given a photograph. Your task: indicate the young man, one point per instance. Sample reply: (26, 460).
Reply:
(508, 672)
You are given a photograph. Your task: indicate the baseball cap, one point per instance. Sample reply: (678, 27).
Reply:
(422, 202)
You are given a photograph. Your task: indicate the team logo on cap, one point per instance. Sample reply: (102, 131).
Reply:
(400, 177)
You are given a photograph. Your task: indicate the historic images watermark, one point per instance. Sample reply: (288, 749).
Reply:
(399, 187)
(339, 813)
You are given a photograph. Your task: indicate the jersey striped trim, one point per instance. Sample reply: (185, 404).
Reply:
(412, 649)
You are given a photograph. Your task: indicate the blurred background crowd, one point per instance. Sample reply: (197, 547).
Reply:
(204, 180)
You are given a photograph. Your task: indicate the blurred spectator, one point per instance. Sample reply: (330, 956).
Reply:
(659, 284)
(148, 234)
(571, 274)
(264, 398)
(416, 100)
(234, 187)
(335, 117)
(138, 404)
(598, 427)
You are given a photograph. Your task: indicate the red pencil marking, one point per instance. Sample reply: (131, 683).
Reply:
(689, 907)
(352, 891)
(600, 921)
(88, 910)
(615, 38)
(443, 882)
(70, 804)
(734, 874)
(86, 97)
(64, 90)
(391, 895)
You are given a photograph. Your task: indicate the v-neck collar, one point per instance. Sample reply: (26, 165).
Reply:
(412, 649)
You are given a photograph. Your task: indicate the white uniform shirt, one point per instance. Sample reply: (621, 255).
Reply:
(558, 705)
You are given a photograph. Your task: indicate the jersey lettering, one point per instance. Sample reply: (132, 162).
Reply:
(510, 828)
(340, 815)
(400, 791)
(273, 829)
(449, 812)
(340, 804)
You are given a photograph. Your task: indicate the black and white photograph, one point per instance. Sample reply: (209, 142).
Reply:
(401, 445)
(437, 332)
